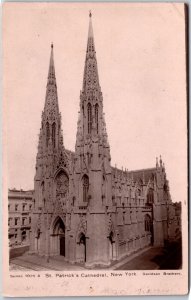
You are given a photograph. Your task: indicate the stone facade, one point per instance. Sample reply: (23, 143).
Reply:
(85, 209)
(19, 216)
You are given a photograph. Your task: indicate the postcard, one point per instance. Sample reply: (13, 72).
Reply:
(95, 162)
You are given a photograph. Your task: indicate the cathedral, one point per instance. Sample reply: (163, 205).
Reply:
(84, 209)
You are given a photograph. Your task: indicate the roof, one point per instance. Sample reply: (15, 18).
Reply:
(137, 175)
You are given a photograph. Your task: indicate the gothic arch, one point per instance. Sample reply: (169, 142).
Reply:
(81, 248)
(84, 188)
(57, 236)
(57, 224)
(61, 169)
(104, 189)
(148, 222)
(112, 240)
(81, 244)
(150, 196)
(54, 221)
(148, 226)
(110, 229)
(81, 228)
(41, 193)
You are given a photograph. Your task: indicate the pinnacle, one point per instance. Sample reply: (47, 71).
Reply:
(90, 31)
(51, 72)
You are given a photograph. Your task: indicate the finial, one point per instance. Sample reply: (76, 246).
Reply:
(90, 14)
(160, 161)
(157, 162)
(52, 45)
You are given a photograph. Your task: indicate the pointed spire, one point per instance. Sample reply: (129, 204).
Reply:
(91, 79)
(91, 124)
(51, 101)
(51, 71)
(90, 31)
(160, 161)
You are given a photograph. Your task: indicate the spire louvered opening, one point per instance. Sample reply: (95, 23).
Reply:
(54, 135)
(89, 118)
(96, 117)
(47, 133)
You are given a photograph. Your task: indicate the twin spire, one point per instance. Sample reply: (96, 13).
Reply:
(90, 49)
(90, 72)
(90, 83)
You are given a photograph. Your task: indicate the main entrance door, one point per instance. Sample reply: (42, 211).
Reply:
(81, 249)
(59, 238)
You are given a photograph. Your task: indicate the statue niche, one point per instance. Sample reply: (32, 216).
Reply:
(62, 187)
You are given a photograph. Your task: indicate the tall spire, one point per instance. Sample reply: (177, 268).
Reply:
(51, 102)
(91, 79)
(51, 118)
(91, 123)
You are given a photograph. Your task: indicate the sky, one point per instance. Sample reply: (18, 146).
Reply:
(140, 52)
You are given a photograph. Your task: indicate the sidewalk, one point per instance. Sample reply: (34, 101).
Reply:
(143, 260)
(151, 258)
(154, 258)
(38, 263)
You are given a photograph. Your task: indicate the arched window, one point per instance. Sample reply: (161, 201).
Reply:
(47, 133)
(41, 195)
(148, 223)
(89, 118)
(85, 182)
(150, 197)
(103, 190)
(54, 135)
(96, 117)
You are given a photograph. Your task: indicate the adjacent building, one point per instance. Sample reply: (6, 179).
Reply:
(84, 209)
(20, 205)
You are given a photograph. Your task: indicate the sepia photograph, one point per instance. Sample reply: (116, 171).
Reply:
(95, 148)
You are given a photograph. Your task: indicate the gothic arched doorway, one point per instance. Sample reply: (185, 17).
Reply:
(149, 227)
(59, 237)
(81, 248)
(112, 246)
(37, 240)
